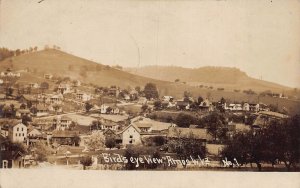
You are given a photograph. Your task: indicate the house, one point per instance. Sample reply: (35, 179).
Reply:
(113, 91)
(25, 98)
(111, 126)
(144, 127)
(126, 97)
(234, 107)
(246, 106)
(34, 133)
(64, 88)
(65, 137)
(182, 104)
(206, 106)
(83, 97)
(8, 157)
(263, 107)
(33, 85)
(142, 101)
(17, 133)
(48, 76)
(253, 107)
(76, 83)
(168, 98)
(109, 108)
(110, 134)
(62, 123)
(55, 99)
(131, 135)
(42, 110)
(22, 112)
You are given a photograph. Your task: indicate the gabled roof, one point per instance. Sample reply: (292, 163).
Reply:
(131, 125)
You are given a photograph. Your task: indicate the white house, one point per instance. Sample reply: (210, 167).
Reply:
(62, 123)
(246, 107)
(17, 133)
(104, 109)
(234, 107)
(64, 88)
(55, 99)
(83, 97)
(254, 107)
(131, 135)
(206, 105)
(167, 98)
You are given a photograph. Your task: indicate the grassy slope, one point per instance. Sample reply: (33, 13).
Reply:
(63, 64)
(228, 78)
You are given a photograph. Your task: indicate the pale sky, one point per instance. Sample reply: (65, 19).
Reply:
(260, 37)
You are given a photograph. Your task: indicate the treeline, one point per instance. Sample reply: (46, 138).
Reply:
(277, 143)
(6, 53)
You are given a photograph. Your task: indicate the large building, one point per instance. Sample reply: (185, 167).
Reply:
(17, 132)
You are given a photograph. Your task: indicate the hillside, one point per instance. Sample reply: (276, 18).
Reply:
(218, 77)
(62, 64)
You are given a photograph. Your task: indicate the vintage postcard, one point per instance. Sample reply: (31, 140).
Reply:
(155, 87)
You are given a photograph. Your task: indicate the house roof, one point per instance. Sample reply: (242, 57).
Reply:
(178, 132)
(41, 107)
(273, 114)
(66, 118)
(64, 134)
(131, 125)
(182, 103)
(143, 125)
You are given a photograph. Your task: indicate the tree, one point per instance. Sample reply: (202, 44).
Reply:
(96, 141)
(138, 89)
(159, 140)
(184, 120)
(151, 91)
(110, 143)
(144, 107)
(86, 161)
(200, 99)
(88, 106)
(129, 152)
(41, 151)
(214, 123)
(157, 104)
(26, 119)
(186, 147)
(284, 140)
(44, 85)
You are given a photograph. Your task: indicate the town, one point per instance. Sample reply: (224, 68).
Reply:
(60, 121)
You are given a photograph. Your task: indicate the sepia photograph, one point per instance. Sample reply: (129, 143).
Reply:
(104, 90)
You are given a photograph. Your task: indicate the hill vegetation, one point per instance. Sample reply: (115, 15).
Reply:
(34, 65)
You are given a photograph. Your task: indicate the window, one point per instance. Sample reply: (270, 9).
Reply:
(23, 134)
(19, 134)
(16, 134)
(4, 164)
(130, 136)
(2, 147)
(22, 129)
(17, 129)
(130, 141)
